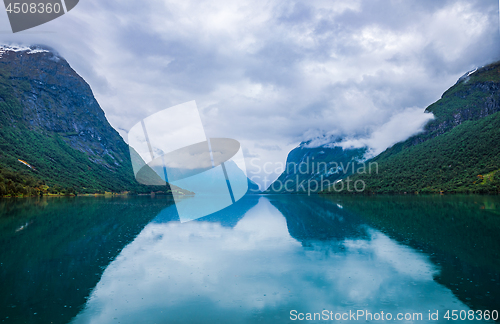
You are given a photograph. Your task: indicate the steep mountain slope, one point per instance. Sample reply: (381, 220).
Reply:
(459, 151)
(53, 134)
(313, 169)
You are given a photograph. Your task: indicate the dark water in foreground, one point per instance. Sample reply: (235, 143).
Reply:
(129, 260)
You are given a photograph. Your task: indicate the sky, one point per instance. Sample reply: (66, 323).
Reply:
(274, 73)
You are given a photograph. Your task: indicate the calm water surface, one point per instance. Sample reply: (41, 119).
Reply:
(130, 260)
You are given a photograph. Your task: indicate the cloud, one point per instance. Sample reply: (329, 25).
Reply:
(275, 72)
(399, 127)
(268, 147)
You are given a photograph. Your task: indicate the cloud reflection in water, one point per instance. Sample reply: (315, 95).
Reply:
(202, 272)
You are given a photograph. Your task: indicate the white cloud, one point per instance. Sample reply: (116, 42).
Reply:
(399, 127)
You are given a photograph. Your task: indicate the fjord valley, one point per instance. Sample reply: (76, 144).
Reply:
(55, 139)
(54, 136)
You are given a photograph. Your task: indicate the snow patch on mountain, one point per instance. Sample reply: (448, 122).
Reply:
(21, 48)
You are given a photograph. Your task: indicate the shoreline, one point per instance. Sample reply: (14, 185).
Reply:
(95, 195)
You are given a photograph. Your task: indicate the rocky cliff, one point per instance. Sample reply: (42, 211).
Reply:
(50, 120)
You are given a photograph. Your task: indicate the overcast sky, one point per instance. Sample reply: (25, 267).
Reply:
(276, 72)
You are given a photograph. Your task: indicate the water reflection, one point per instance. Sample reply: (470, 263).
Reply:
(278, 254)
(459, 233)
(53, 251)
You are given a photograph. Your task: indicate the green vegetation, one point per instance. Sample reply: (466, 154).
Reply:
(459, 150)
(23, 184)
(63, 169)
(465, 159)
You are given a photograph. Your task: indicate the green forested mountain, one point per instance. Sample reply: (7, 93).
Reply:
(459, 151)
(54, 137)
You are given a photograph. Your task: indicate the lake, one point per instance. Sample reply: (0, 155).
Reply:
(265, 259)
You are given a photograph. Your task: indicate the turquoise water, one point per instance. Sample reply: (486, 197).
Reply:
(266, 259)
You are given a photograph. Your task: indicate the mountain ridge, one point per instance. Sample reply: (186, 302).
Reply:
(50, 119)
(458, 150)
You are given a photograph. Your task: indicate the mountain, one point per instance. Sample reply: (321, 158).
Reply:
(313, 169)
(54, 136)
(459, 151)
